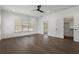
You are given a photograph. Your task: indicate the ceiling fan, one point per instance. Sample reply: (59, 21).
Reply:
(39, 9)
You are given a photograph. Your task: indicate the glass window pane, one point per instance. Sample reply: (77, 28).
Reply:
(18, 28)
(18, 25)
(25, 27)
(31, 26)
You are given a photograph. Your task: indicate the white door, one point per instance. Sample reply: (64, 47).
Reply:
(76, 28)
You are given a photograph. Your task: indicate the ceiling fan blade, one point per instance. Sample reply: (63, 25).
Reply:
(38, 9)
(41, 11)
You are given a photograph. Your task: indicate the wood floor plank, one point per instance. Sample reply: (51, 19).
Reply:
(38, 44)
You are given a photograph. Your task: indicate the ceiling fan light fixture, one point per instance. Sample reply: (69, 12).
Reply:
(39, 9)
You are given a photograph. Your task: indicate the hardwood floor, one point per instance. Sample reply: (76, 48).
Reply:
(38, 44)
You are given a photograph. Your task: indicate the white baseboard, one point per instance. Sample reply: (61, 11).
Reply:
(16, 35)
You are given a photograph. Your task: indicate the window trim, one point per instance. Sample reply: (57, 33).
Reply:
(22, 27)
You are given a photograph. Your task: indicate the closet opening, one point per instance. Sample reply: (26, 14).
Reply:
(68, 28)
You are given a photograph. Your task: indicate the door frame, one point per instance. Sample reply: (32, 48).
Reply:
(72, 28)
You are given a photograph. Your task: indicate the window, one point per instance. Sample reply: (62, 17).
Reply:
(22, 26)
(25, 26)
(30, 26)
(18, 26)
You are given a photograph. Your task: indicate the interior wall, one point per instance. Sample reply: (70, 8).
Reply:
(56, 22)
(8, 24)
(0, 23)
(48, 18)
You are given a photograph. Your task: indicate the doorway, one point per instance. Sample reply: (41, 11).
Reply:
(45, 24)
(68, 28)
(45, 30)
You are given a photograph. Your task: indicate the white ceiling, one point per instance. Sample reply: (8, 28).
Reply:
(28, 9)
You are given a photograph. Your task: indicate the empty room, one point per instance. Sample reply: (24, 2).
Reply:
(39, 29)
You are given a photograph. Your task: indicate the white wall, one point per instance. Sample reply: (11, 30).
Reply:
(56, 21)
(50, 22)
(0, 23)
(8, 24)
